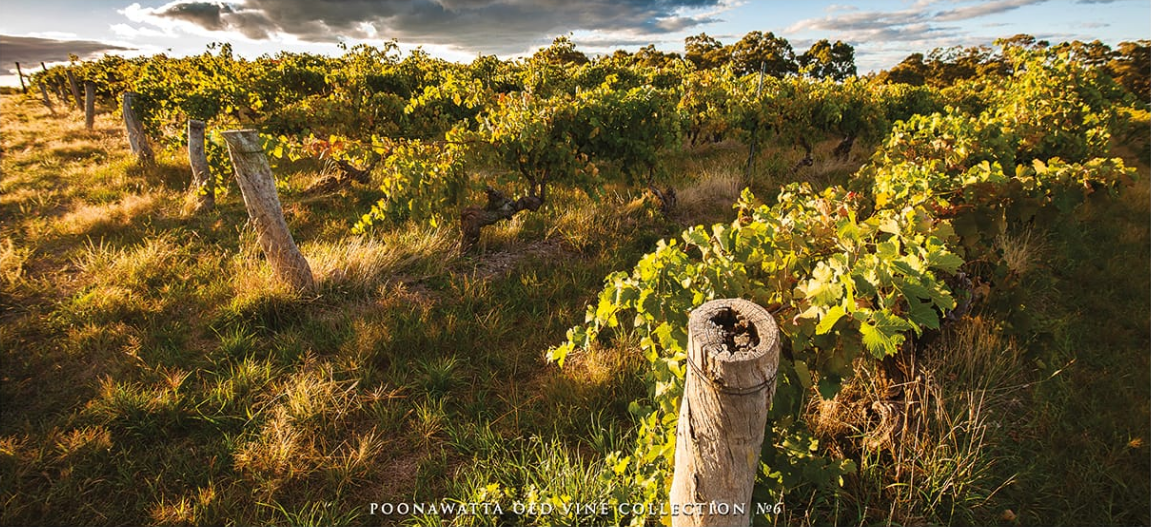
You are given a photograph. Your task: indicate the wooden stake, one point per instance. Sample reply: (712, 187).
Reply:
(47, 101)
(733, 356)
(21, 75)
(89, 104)
(259, 189)
(75, 89)
(136, 138)
(201, 190)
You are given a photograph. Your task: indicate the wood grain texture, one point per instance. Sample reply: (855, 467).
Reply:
(201, 189)
(728, 389)
(137, 141)
(259, 189)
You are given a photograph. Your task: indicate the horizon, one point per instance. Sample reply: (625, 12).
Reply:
(882, 32)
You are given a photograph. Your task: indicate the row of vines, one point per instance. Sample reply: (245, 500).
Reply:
(862, 271)
(856, 271)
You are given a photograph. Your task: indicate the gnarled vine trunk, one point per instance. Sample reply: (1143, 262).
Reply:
(499, 208)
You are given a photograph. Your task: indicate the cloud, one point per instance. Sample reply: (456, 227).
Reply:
(983, 9)
(922, 23)
(131, 32)
(503, 26)
(32, 50)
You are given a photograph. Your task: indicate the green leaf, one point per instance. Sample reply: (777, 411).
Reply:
(878, 343)
(829, 386)
(803, 373)
(829, 319)
(923, 313)
(946, 262)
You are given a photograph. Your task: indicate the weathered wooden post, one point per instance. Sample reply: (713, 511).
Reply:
(201, 190)
(47, 101)
(259, 190)
(21, 75)
(733, 355)
(55, 85)
(89, 104)
(136, 139)
(75, 89)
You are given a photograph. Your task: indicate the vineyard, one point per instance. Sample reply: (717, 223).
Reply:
(501, 259)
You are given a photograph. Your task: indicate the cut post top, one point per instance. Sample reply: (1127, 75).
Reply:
(733, 335)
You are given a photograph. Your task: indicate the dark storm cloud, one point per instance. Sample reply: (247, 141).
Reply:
(32, 50)
(489, 25)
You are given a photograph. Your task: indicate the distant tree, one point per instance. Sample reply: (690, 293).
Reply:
(1022, 40)
(705, 52)
(619, 56)
(561, 52)
(913, 70)
(825, 60)
(947, 66)
(756, 48)
(1093, 54)
(651, 57)
(1131, 66)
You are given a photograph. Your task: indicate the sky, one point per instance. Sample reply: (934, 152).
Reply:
(883, 32)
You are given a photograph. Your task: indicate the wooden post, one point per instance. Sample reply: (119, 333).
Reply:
(259, 190)
(201, 190)
(21, 75)
(55, 86)
(75, 89)
(89, 104)
(754, 129)
(136, 138)
(733, 355)
(47, 101)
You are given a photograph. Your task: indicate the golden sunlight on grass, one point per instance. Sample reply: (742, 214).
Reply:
(12, 261)
(88, 218)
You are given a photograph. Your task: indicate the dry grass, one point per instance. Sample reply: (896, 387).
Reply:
(362, 263)
(12, 260)
(1023, 251)
(88, 218)
(709, 198)
(923, 442)
(311, 427)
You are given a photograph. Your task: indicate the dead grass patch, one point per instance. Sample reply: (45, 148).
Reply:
(92, 219)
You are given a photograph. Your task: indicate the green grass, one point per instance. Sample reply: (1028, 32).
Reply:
(155, 371)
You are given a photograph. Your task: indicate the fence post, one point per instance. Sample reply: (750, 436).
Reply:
(75, 88)
(89, 104)
(259, 190)
(202, 191)
(733, 355)
(20, 74)
(136, 139)
(47, 101)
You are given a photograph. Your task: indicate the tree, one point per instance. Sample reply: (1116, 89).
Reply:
(1130, 65)
(654, 58)
(912, 70)
(756, 48)
(1022, 40)
(561, 52)
(825, 60)
(1093, 54)
(704, 51)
